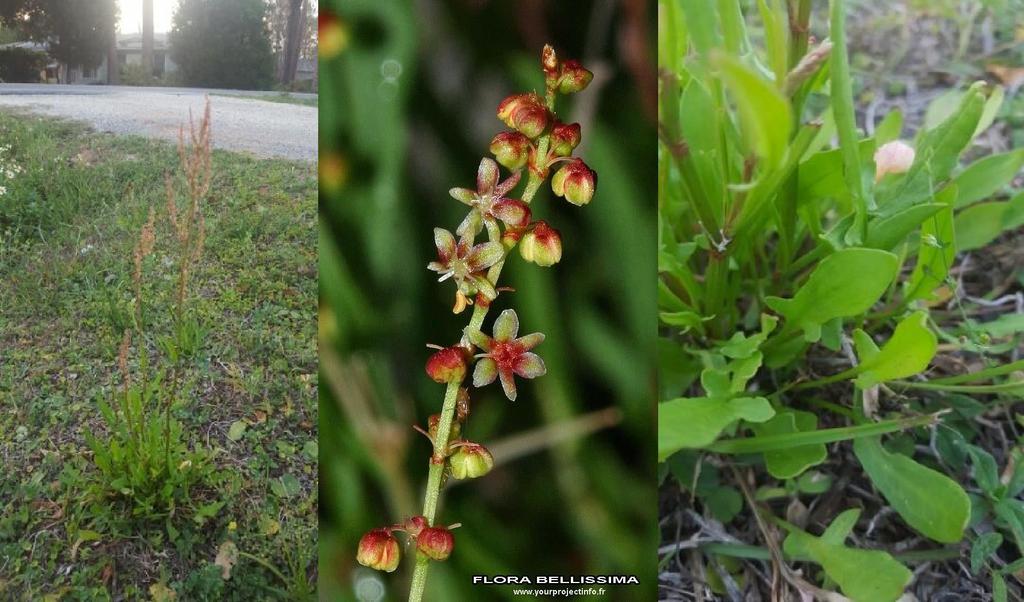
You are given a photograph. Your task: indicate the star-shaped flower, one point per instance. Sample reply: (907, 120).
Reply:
(507, 355)
(488, 200)
(466, 262)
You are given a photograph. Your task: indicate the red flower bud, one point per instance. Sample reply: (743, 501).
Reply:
(414, 524)
(435, 542)
(574, 77)
(526, 113)
(564, 138)
(471, 460)
(511, 149)
(432, 423)
(379, 550)
(542, 245)
(447, 365)
(575, 181)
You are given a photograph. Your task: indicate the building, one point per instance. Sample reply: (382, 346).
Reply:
(129, 52)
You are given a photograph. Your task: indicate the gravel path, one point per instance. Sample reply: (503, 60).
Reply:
(265, 129)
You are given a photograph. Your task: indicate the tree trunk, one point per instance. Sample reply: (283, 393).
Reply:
(113, 64)
(293, 40)
(147, 37)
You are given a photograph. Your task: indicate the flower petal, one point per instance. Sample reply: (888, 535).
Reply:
(445, 243)
(506, 327)
(471, 225)
(485, 372)
(463, 195)
(511, 211)
(529, 365)
(508, 383)
(530, 341)
(484, 286)
(486, 176)
(480, 339)
(437, 266)
(509, 183)
(484, 255)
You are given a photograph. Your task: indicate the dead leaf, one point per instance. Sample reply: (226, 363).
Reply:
(227, 557)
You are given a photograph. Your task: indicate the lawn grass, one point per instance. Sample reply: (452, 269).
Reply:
(68, 223)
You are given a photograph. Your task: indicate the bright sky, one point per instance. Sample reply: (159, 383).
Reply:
(131, 15)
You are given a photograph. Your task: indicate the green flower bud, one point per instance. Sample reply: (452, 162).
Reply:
(564, 138)
(436, 542)
(576, 182)
(471, 460)
(542, 245)
(511, 149)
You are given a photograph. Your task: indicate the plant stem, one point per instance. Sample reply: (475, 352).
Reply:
(930, 386)
(437, 462)
(980, 375)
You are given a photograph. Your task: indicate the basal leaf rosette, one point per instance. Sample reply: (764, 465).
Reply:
(507, 356)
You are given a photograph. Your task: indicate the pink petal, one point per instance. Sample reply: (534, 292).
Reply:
(530, 341)
(486, 176)
(484, 255)
(509, 183)
(445, 243)
(508, 384)
(511, 211)
(529, 365)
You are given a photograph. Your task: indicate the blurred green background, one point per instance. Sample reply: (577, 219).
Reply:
(409, 91)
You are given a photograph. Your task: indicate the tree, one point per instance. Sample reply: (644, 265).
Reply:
(76, 32)
(293, 41)
(222, 44)
(147, 38)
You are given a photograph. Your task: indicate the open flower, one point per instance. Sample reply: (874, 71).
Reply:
(466, 262)
(507, 355)
(488, 200)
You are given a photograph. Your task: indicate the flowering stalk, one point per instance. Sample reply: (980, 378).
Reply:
(537, 142)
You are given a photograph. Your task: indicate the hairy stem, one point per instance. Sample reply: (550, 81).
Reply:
(430, 498)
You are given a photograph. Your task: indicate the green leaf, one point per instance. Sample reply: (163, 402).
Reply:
(724, 502)
(835, 534)
(696, 422)
(998, 588)
(789, 463)
(992, 105)
(889, 128)
(753, 445)
(908, 352)
(311, 450)
(982, 223)
(886, 233)
(285, 486)
(775, 38)
(983, 547)
(937, 249)
(848, 567)
(237, 429)
(764, 112)
(846, 283)
(842, 108)
(985, 469)
(986, 176)
(928, 501)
